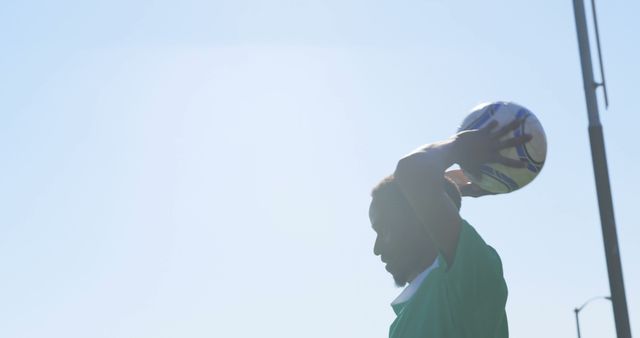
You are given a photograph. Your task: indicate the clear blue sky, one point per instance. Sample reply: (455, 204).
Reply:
(203, 168)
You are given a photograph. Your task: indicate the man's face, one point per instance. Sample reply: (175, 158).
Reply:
(401, 241)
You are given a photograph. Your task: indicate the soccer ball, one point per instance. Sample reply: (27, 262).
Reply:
(498, 178)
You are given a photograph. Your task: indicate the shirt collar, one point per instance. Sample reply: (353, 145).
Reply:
(414, 284)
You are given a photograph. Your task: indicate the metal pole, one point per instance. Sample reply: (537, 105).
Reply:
(603, 188)
(577, 321)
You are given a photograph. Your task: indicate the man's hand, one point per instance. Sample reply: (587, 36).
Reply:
(419, 176)
(476, 147)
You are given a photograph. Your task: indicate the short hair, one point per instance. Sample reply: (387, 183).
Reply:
(388, 191)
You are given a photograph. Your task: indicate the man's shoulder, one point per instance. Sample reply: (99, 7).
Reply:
(470, 236)
(472, 251)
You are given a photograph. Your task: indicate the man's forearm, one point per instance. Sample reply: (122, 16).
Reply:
(420, 177)
(428, 162)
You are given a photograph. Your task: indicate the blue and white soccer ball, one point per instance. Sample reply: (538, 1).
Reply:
(496, 177)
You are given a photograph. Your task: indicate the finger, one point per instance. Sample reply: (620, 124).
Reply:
(479, 192)
(509, 127)
(473, 190)
(515, 141)
(474, 171)
(467, 190)
(489, 127)
(510, 162)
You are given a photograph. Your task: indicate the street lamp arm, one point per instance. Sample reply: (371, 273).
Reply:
(578, 309)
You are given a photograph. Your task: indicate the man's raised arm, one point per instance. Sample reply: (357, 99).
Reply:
(420, 176)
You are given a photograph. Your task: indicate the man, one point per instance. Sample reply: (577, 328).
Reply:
(456, 287)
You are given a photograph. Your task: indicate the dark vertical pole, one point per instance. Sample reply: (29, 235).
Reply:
(603, 188)
(577, 321)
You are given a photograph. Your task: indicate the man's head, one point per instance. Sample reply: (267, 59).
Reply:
(402, 241)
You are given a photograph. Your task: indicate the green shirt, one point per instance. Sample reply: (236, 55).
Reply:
(464, 300)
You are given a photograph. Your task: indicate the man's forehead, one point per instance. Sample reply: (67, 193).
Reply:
(374, 215)
(373, 210)
(384, 214)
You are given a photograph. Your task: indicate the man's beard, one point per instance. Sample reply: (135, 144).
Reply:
(399, 277)
(403, 271)
(400, 281)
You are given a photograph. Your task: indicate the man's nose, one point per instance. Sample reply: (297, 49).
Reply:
(376, 246)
